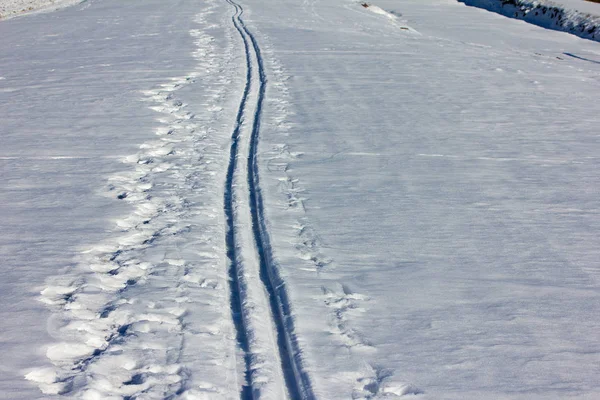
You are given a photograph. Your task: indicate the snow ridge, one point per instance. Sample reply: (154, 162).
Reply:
(273, 359)
(545, 14)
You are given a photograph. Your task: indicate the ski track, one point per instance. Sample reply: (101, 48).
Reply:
(281, 373)
(236, 297)
(119, 312)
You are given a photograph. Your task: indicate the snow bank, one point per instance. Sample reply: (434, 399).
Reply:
(546, 14)
(13, 8)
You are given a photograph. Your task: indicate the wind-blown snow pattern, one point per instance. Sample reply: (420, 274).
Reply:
(285, 199)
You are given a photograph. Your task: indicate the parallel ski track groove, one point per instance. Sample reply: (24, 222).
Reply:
(296, 377)
(236, 297)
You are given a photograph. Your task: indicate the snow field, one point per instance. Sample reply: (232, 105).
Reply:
(129, 314)
(115, 306)
(351, 201)
(348, 375)
(315, 200)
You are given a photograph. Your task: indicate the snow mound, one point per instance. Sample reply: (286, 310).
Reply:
(545, 14)
(391, 15)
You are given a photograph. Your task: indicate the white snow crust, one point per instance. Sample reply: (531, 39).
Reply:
(413, 203)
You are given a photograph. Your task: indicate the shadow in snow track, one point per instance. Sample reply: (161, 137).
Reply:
(234, 284)
(297, 380)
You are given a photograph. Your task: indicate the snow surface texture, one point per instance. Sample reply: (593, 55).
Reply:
(128, 248)
(13, 8)
(548, 14)
(304, 200)
(390, 154)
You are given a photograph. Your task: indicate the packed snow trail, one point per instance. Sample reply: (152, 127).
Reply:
(242, 214)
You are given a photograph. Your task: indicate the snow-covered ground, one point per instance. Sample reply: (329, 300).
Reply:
(442, 186)
(104, 171)
(204, 199)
